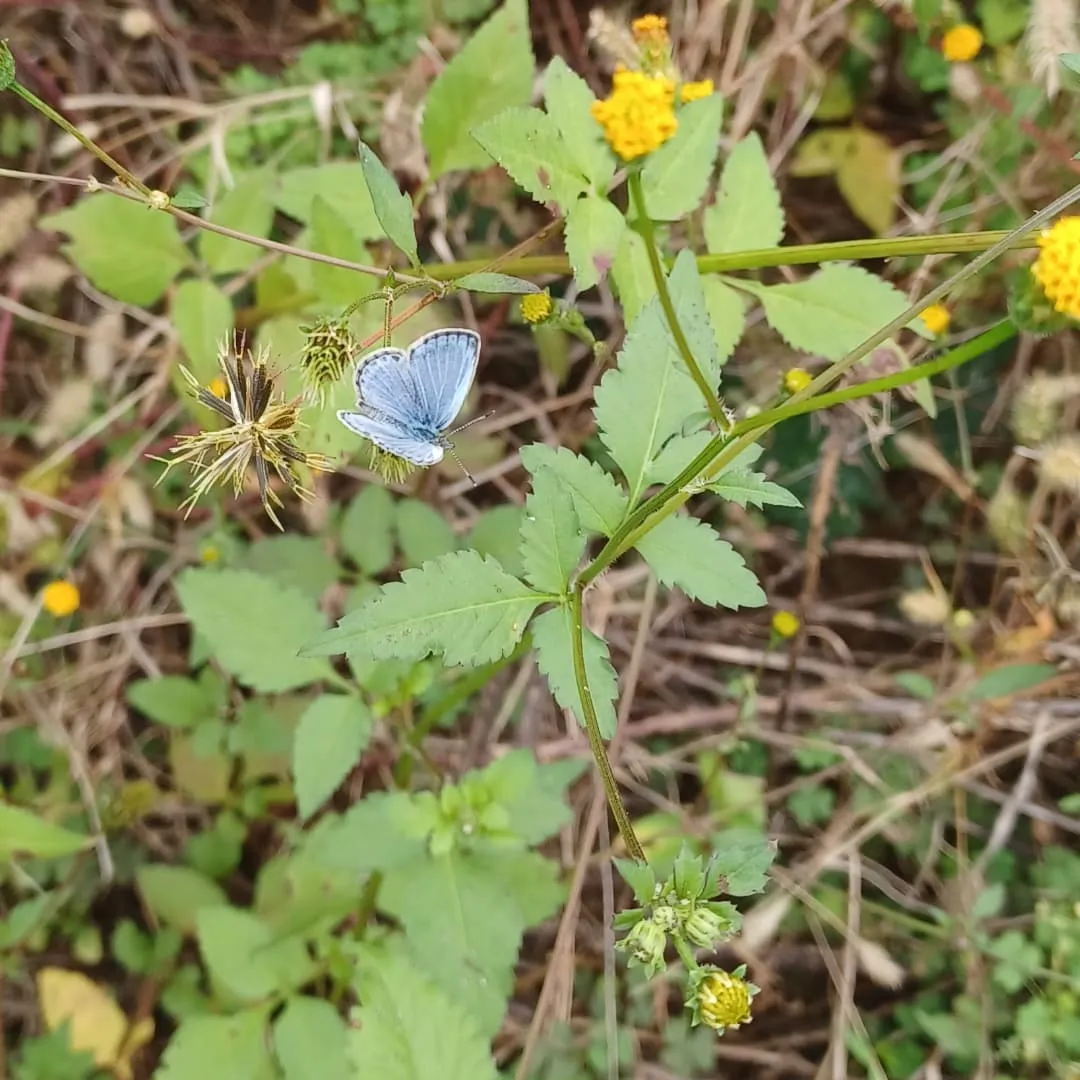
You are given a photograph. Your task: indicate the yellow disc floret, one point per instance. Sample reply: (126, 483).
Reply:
(60, 598)
(961, 43)
(536, 307)
(692, 91)
(936, 319)
(723, 1000)
(639, 114)
(1057, 269)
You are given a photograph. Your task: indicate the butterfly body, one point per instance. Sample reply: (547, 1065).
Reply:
(408, 399)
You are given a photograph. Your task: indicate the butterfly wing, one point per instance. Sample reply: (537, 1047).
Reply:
(443, 365)
(385, 385)
(393, 437)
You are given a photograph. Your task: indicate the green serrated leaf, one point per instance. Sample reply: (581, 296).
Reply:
(301, 562)
(339, 183)
(742, 858)
(594, 232)
(552, 541)
(497, 532)
(675, 177)
(254, 626)
(640, 877)
(329, 739)
(527, 143)
(234, 1046)
(494, 70)
(25, 833)
(462, 605)
(833, 311)
(243, 957)
(388, 1042)
(7, 66)
(486, 282)
(692, 314)
(203, 317)
(645, 400)
(173, 700)
(311, 1041)
(176, 894)
(247, 208)
(553, 641)
(598, 500)
(423, 532)
(727, 313)
(568, 100)
(747, 215)
(533, 796)
(748, 488)
(126, 249)
(677, 454)
(632, 276)
(464, 915)
(332, 235)
(686, 553)
(187, 198)
(377, 834)
(367, 530)
(393, 208)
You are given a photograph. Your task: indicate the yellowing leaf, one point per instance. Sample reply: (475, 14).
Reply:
(869, 179)
(98, 1024)
(866, 167)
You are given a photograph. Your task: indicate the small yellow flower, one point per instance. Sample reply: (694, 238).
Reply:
(1057, 269)
(936, 319)
(649, 28)
(536, 307)
(639, 114)
(218, 387)
(692, 91)
(785, 624)
(961, 43)
(60, 598)
(210, 554)
(723, 1000)
(797, 379)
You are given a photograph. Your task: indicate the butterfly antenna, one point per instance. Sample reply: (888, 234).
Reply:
(474, 420)
(460, 463)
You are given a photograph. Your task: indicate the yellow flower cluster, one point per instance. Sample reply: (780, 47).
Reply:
(723, 1000)
(649, 29)
(1057, 269)
(936, 319)
(536, 307)
(639, 114)
(961, 43)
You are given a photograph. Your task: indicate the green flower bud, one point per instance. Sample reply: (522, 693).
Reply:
(646, 943)
(706, 929)
(665, 917)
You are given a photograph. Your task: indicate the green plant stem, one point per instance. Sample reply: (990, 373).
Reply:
(894, 247)
(648, 234)
(66, 125)
(686, 954)
(596, 740)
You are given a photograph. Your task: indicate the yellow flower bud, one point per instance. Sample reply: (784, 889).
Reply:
(785, 624)
(797, 379)
(936, 319)
(961, 43)
(60, 598)
(722, 1000)
(536, 308)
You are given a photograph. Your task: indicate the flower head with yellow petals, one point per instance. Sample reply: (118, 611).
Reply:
(639, 114)
(1057, 269)
(536, 307)
(720, 999)
(936, 319)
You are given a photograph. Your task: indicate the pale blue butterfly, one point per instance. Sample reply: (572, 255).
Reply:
(408, 399)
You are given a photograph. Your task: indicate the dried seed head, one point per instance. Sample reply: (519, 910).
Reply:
(925, 607)
(1006, 518)
(1059, 464)
(1036, 413)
